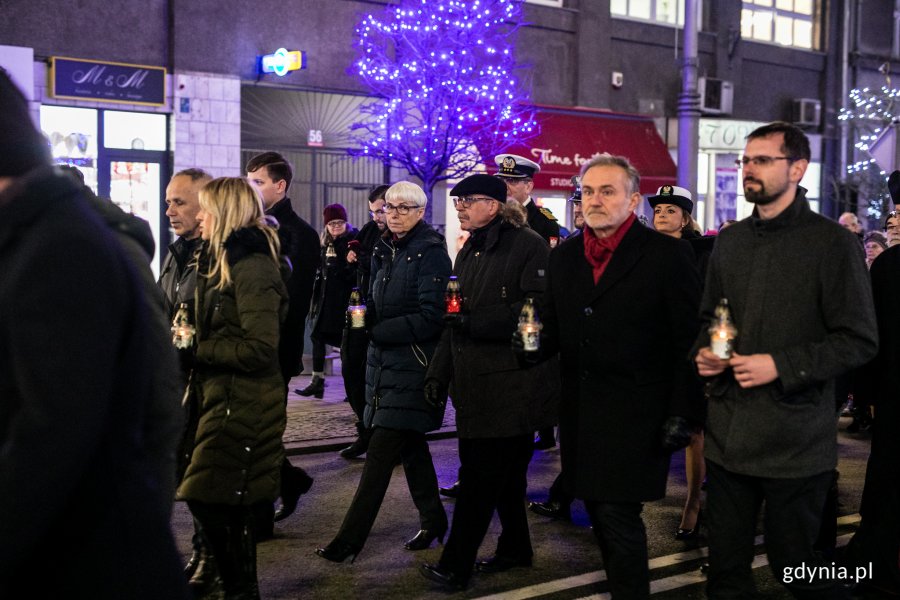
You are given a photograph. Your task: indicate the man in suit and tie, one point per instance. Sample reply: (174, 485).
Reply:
(621, 308)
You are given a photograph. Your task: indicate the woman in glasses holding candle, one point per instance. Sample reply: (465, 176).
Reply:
(672, 206)
(237, 453)
(331, 291)
(404, 311)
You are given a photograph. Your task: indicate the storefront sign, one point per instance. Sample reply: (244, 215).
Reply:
(724, 134)
(282, 62)
(107, 81)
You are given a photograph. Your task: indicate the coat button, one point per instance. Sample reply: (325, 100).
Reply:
(586, 342)
(588, 311)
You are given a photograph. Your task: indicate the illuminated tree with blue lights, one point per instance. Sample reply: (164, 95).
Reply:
(442, 71)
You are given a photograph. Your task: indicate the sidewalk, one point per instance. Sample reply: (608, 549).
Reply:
(326, 425)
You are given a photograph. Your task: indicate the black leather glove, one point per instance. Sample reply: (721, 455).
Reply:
(526, 359)
(457, 321)
(435, 393)
(676, 433)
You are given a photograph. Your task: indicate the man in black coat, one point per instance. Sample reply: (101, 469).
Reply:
(355, 342)
(498, 403)
(878, 538)
(271, 175)
(621, 308)
(797, 288)
(87, 435)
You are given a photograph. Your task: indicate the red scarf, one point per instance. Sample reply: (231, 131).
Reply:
(599, 251)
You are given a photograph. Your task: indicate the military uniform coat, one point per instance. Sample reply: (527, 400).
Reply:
(624, 346)
(237, 451)
(545, 226)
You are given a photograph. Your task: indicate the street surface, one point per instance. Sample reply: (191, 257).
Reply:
(567, 561)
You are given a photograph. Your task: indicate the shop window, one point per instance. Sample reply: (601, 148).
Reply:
(134, 131)
(670, 12)
(784, 22)
(72, 133)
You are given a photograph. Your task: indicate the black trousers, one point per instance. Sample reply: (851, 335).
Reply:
(622, 537)
(354, 348)
(558, 492)
(493, 476)
(318, 354)
(385, 446)
(792, 518)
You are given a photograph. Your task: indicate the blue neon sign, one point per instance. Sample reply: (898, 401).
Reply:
(282, 62)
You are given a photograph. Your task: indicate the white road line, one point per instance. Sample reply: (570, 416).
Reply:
(660, 585)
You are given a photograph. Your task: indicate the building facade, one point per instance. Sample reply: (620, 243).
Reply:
(758, 61)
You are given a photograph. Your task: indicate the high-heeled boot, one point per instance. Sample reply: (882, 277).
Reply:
(360, 445)
(315, 388)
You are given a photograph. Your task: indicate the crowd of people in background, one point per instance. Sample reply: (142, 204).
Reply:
(626, 368)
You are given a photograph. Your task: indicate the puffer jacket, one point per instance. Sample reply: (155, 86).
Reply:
(405, 309)
(237, 448)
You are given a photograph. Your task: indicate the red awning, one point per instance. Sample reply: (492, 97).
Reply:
(569, 137)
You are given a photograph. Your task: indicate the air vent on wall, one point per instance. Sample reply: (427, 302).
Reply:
(807, 112)
(716, 96)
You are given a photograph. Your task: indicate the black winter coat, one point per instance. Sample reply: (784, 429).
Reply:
(406, 308)
(237, 451)
(494, 397)
(86, 434)
(335, 280)
(624, 346)
(300, 245)
(368, 237)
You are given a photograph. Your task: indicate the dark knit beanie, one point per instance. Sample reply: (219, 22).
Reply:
(22, 147)
(335, 212)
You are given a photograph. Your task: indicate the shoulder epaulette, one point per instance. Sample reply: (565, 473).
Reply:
(546, 212)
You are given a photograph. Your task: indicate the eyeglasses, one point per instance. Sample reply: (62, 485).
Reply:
(336, 223)
(400, 209)
(467, 201)
(377, 213)
(760, 161)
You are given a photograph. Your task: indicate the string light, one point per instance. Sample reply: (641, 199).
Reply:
(442, 71)
(870, 112)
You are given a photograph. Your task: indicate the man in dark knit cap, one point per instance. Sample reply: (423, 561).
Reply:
(86, 436)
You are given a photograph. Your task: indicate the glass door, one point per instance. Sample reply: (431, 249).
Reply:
(134, 182)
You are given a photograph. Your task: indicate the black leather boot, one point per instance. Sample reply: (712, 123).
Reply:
(205, 582)
(294, 483)
(315, 388)
(360, 445)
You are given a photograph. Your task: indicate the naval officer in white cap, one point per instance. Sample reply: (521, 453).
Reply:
(517, 172)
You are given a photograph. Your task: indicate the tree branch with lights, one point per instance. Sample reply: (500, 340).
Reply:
(446, 96)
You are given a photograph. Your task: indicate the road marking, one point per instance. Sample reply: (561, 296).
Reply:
(665, 584)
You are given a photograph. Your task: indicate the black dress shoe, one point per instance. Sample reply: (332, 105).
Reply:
(554, 510)
(423, 539)
(294, 483)
(450, 492)
(498, 564)
(339, 551)
(445, 577)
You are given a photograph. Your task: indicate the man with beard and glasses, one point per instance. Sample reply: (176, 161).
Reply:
(798, 291)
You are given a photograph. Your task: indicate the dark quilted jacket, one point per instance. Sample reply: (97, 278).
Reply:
(406, 309)
(237, 449)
